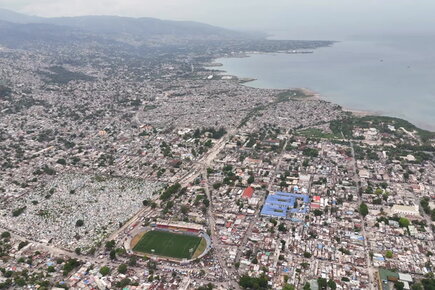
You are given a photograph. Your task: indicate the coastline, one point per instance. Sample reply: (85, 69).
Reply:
(313, 94)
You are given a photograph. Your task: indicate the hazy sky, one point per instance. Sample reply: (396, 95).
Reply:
(298, 18)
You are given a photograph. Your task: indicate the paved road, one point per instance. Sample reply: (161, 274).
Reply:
(229, 272)
(185, 180)
(370, 268)
(199, 167)
(257, 212)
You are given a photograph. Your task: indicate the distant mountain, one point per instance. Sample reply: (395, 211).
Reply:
(124, 29)
(145, 27)
(12, 16)
(17, 35)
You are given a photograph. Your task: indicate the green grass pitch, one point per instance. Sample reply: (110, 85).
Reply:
(168, 244)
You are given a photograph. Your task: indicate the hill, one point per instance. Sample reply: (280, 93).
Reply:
(136, 31)
(12, 16)
(17, 35)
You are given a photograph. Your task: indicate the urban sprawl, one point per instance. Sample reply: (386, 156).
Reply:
(98, 148)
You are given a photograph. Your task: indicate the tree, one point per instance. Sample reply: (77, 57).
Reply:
(282, 228)
(184, 209)
(378, 191)
(332, 285)
(6, 235)
(18, 211)
(322, 283)
(112, 254)
(110, 245)
(404, 222)
(20, 282)
(305, 265)
(273, 221)
(399, 285)
(70, 264)
(79, 223)
(363, 209)
(217, 185)
(123, 283)
(247, 282)
(104, 270)
(389, 254)
(22, 245)
(132, 261)
(78, 251)
(251, 179)
(428, 284)
(307, 286)
(51, 269)
(209, 286)
(288, 287)
(307, 255)
(152, 266)
(310, 152)
(122, 268)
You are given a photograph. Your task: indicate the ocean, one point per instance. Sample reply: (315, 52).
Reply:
(392, 76)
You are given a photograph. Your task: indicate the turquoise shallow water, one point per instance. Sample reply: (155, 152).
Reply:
(394, 77)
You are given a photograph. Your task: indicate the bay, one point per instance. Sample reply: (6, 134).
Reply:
(392, 76)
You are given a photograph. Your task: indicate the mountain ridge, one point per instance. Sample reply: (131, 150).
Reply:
(140, 29)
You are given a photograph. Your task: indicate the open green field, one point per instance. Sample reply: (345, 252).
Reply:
(317, 133)
(168, 244)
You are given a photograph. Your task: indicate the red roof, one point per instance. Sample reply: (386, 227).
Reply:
(248, 192)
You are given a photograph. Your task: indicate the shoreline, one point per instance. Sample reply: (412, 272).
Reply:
(314, 95)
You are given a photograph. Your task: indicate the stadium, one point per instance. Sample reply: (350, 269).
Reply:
(177, 242)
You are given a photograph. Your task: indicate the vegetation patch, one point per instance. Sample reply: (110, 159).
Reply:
(291, 94)
(318, 133)
(60, 75)
(346, 126)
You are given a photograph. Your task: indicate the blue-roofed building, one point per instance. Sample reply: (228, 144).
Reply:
(281, 204)
(273, 211)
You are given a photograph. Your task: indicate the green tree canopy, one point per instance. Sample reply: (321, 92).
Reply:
(389, 254)
(247, 282)
(363, 209)
(404, 222)
(332, 285)
(122, 268)
(104, 270)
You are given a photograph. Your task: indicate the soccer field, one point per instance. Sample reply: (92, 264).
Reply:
(168, 244)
